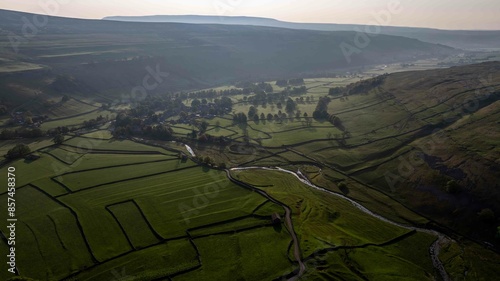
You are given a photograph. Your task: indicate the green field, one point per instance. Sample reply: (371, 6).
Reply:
(77, 119)
(118, 223)
(326, 221)
(88, 179)
(96, 207)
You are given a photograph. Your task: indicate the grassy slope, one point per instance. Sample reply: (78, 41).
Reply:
(326, 221)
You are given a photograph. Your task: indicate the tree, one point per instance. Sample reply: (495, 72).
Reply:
(7, 134)
(195, 104)
(240, 118)
(343, 187)
(203, 127)
(65, 98)
(207, 160)
(262, 116)
(335, 91)
(193, 134)
(269, 117)
(252, 111)
(18, 151)
(453, 187)
(58, 139)
(320, 115)
(486, 215)
(290, 105)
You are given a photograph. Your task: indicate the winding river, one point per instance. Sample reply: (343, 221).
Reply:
(434, 249)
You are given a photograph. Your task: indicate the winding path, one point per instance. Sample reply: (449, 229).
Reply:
(288, 221)
(434, 249)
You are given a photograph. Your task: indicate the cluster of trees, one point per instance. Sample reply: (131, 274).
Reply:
(358, 88)
(95, 122)
(240, 118)
(219, 106)
(207, 138)
(58, 139)
(147, 107)
(285, 83)
(126, 125)
(321, 111)
(337, 91)
(160, 132)
(262, 98)
(365, 86)
(252, 112)
(252, 87)
(486, 215)
(8, 134)
(246, 88)
(58, 131)
(30, 133)
(297, 91)
(290, 105)
(207, 160)
(18, 151)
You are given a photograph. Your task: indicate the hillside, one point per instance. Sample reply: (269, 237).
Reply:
(108, 57)
(429, 138)
(402, 172)
(462, 39)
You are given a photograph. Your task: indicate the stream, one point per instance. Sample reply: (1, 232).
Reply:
(434, 249)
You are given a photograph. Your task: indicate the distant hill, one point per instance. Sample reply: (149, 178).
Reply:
(463, 39)
(110, 57)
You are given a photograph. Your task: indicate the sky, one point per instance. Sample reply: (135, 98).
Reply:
(443, 14)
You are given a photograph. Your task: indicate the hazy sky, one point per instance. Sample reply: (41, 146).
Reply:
(445, 14)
